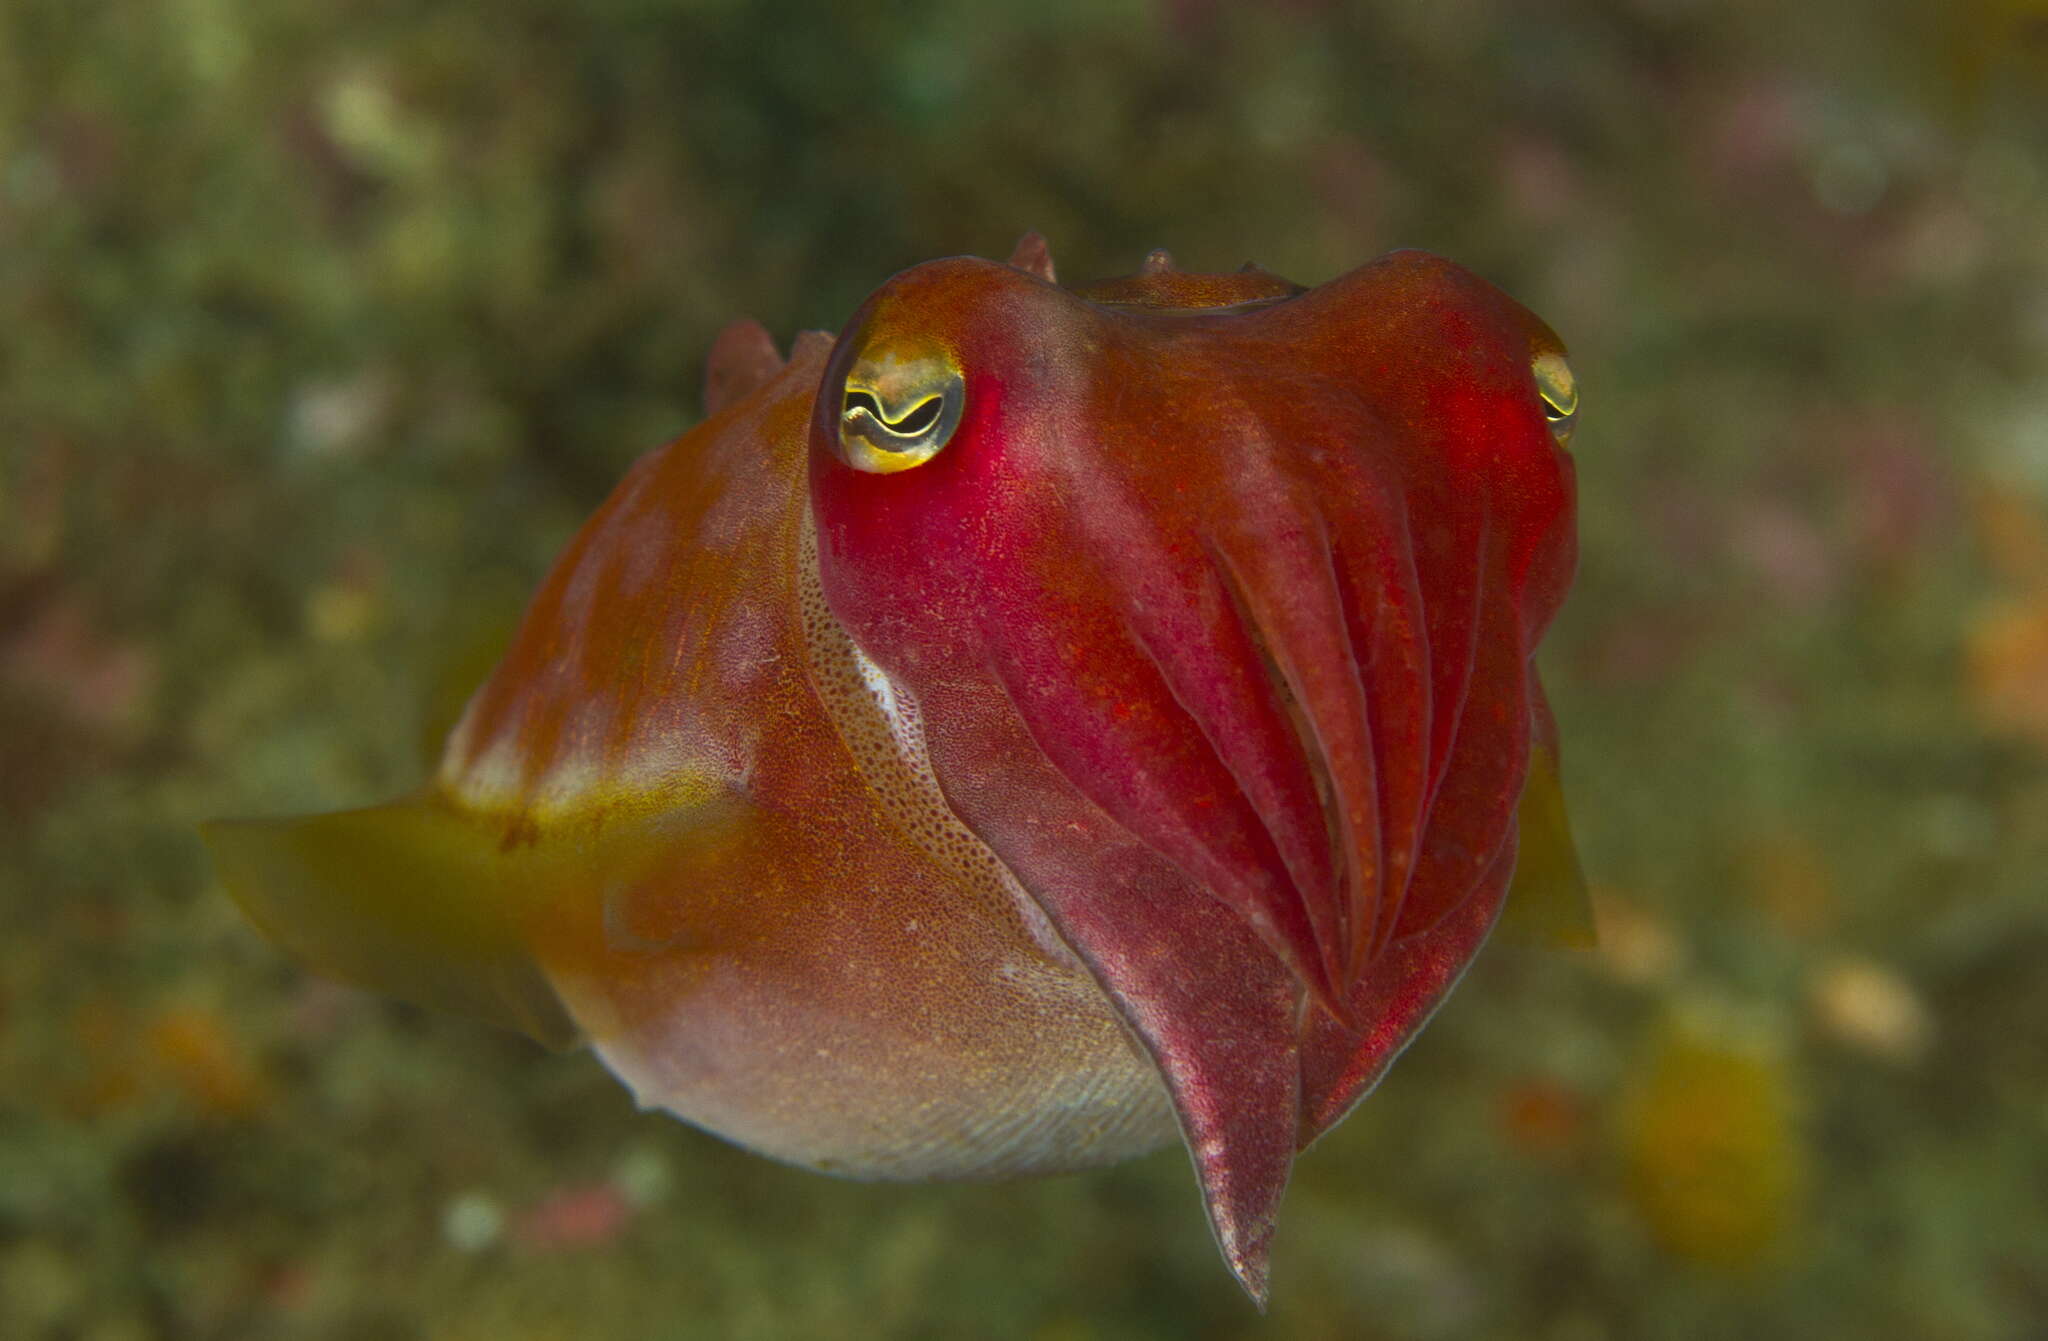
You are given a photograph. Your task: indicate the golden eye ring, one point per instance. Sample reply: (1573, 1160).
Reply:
(896, 414)
(1559, 392)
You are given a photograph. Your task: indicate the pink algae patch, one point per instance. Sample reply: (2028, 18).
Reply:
(579, 1215)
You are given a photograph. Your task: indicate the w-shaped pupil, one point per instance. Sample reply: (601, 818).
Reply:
(920, 418)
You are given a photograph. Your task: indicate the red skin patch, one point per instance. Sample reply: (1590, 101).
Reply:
(1220, 604)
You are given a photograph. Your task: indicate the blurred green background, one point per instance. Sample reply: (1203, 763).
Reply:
(322, 326)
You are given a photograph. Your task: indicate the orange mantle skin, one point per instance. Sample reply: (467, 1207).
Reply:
(1043, 723)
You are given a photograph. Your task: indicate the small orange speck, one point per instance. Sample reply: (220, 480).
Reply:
(199, 1055)
(2008, 669)
(1542, 1119)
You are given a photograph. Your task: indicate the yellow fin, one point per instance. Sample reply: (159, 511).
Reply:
(1547, 903)
(414, 898)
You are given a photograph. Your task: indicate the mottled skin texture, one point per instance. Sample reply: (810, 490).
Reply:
(1146, 753)
(821, 964)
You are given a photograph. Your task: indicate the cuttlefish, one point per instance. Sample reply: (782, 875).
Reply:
(1038, 725)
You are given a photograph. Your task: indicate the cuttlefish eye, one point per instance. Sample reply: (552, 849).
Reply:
(1560, 394)
(896, 412)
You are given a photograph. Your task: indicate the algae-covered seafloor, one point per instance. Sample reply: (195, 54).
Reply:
(321, 327)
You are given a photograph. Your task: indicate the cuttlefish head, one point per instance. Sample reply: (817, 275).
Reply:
(1203, 533)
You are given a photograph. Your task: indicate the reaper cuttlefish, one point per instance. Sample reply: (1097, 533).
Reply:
(1043, 722)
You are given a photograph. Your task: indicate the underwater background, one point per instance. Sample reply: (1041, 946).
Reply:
(323, 326)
